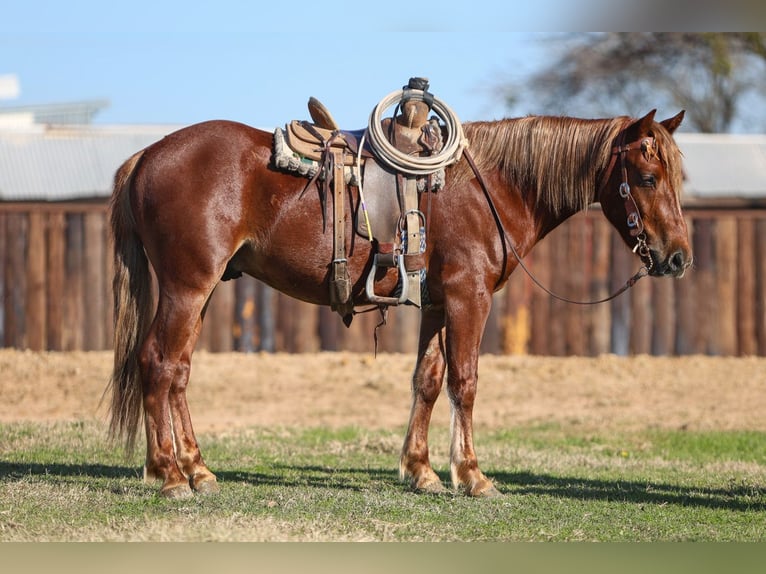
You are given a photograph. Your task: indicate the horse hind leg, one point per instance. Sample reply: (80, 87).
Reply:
(188, 455)
(414, 463)
(172, 453)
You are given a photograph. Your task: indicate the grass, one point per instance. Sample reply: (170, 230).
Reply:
(65, 482)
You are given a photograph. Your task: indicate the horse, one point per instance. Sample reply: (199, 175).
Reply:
(205, 204)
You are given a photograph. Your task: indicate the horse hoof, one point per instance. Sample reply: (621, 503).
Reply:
(488, 491)
(428, 486)
(206, 487)
(178, 491)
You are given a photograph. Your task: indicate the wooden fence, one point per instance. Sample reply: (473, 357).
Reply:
(55, 281)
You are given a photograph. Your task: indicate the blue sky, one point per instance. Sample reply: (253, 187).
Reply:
(183, 62)
(258, 61)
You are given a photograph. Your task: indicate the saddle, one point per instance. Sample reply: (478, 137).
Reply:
(387, 210)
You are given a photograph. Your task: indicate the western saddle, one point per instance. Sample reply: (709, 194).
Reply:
(388, 200)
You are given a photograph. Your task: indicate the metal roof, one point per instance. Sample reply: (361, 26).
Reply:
(41, 163)
(58, 163)
(723, 166)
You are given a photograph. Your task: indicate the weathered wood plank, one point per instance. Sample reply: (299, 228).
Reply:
(95, 283)
(539, 262)
(726, 285)
(760, 284)
(35, 308)
(55, 284)
(73, 332)
(600, 316)
(746, 308)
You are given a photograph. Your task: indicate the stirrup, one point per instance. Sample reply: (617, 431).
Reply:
(370, 285)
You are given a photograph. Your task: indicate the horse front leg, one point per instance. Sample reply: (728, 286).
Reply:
(414, 463)
(465, 325)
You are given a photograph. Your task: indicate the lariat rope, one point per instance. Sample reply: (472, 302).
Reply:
(416, 165)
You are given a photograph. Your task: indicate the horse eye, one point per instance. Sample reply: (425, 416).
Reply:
(648, 181)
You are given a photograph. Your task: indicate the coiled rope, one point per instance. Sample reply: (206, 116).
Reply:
(416, 165)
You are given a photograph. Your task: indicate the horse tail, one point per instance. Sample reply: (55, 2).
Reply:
(133, 305)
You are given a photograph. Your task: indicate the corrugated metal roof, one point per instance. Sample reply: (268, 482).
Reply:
(44, 163)
(724, 166)
(40, 163)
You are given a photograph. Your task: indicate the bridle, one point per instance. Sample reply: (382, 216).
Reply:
(634, 221)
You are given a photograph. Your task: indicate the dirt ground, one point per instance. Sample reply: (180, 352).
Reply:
(338, 389)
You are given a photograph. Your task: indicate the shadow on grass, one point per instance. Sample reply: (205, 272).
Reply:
(17, 470)
(736, 498)
(315, 476)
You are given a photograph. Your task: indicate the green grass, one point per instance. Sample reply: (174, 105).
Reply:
(65, 482)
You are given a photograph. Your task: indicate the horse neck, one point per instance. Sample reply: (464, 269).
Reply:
(553, 164)
(544, 219)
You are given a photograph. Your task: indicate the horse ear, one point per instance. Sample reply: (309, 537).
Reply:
(642, 127)
(671, 124)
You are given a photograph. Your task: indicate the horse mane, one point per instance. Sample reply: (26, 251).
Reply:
(559, 159)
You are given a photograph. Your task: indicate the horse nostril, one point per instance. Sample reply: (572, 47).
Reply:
(677, 261)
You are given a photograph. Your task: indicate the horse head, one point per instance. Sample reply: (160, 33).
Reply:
(640, 194)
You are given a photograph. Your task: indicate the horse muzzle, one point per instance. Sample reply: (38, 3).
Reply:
(674, 264)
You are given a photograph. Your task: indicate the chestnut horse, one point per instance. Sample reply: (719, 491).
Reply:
(205, 204)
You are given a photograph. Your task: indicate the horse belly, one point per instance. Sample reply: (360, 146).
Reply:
(301, 269)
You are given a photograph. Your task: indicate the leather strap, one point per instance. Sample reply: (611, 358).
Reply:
(635, 223)
(412, 222)
(340, 285)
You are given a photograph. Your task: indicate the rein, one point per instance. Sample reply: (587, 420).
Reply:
(635, 223)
